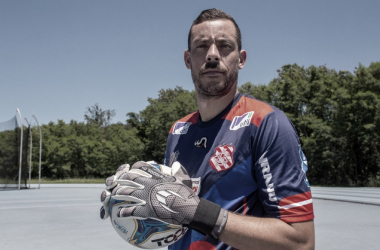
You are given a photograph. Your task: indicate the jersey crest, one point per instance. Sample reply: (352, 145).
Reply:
(223, 158)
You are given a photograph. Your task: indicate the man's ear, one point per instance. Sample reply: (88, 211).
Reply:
(186, 57)
(242, 58)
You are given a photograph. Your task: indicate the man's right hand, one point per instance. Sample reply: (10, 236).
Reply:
(110, 185)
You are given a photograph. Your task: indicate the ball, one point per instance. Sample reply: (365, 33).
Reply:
(144, 233)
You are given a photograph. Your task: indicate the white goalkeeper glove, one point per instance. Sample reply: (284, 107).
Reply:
(110, 185)
(168, 198)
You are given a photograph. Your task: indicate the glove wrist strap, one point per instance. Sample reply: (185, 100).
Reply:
(220, 224)
(209, 218)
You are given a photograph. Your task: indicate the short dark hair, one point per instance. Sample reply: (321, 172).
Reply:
(211, 15)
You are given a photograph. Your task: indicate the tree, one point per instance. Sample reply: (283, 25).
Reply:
(79, 150)
(357, 126)
(154, 122)
(336, 115)
(95, 115)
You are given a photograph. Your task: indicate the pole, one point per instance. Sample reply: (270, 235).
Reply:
(30, 151)
(19, 169)
(39, 164)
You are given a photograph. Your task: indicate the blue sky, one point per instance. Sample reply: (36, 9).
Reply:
(59, 57)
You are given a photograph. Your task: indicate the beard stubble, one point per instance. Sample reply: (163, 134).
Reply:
(215, 88)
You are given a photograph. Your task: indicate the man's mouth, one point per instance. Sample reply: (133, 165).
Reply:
(212, 72)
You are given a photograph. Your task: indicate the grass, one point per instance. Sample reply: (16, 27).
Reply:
(69, 181)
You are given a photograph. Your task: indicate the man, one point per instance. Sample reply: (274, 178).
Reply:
(243, 156)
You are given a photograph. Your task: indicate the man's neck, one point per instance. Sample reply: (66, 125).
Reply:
(211, 107)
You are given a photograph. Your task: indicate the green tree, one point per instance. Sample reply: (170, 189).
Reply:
(96, 115)
(336, 115)
(154, 122)
(85, 150)
(357, 127)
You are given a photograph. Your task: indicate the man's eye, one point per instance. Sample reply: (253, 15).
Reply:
(227, 46)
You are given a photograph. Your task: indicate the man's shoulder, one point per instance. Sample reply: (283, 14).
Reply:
(248, 105)
(193, 117)
(186, 121)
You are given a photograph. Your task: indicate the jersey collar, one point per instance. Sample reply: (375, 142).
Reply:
(221, 114)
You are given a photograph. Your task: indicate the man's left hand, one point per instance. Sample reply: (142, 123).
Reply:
(168, 198)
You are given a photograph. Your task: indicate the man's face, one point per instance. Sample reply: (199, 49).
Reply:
(214, 58)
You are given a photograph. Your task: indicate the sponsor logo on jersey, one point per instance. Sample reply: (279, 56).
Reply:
(265, 169)
(202, 143)
(241, 121)
(303, 164)
(223, 158)
(181, 128)
(196, 184)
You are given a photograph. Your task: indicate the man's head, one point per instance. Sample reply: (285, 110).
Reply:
(212, 15)
(214, 55)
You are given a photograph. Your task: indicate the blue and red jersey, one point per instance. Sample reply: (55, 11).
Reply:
(248, 159)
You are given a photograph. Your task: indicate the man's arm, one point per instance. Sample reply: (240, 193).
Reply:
(247, 232)
(179, 205)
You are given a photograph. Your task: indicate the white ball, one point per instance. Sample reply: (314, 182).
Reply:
(144, 233)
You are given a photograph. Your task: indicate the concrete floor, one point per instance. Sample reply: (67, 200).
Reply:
(61, 217)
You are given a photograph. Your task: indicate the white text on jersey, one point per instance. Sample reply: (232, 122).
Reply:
(265, 169)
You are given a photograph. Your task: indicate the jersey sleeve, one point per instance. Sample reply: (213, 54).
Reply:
(280, 170)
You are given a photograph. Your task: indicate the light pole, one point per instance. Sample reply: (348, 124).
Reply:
(39, 164)
(30, 151)
(19, 168)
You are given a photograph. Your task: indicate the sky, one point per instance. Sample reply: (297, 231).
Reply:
(59, 57)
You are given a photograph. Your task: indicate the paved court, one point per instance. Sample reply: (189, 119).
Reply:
(61, 217)
(355, 195)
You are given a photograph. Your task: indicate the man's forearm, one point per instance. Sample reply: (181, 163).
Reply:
(247, 232)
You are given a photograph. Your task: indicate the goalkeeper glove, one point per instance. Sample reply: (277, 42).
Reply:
(111, 183)
(168, 198)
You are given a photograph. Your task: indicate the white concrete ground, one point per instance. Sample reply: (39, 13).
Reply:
(62, 217)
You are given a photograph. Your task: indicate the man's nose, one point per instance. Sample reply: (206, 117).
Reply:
(213, 54)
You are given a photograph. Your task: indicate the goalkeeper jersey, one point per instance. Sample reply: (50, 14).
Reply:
(248, 159)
